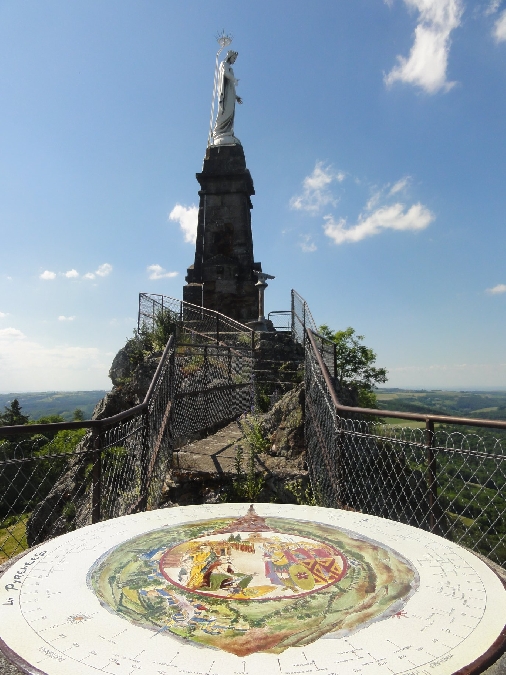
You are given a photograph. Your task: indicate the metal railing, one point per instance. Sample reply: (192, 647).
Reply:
(191, 322)
(443, 477)
(58, 477)
(283, 319)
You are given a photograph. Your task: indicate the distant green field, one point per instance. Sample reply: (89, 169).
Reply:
(480, 404)
(42, 404)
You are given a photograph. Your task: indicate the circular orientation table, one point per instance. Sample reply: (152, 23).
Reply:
(268, 589)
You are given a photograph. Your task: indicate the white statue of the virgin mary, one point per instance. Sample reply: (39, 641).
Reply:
(223, 132)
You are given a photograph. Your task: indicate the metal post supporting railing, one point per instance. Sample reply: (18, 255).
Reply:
(304, 324)
(292, 310)
(144, 461)
(217, 329)
(431, 473)
(96, 478)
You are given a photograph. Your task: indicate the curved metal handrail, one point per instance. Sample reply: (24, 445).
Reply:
(95, 424)
(420, 417)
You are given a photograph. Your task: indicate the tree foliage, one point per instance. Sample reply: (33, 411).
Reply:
(356, 364)
(12, 415)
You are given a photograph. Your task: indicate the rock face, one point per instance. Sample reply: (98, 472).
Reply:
(278, 360)
(284, 426)
(68, 505)
(131, 376)
(221, 277)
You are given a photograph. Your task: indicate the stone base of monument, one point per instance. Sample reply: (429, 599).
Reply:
(262, 326)
(222, 275)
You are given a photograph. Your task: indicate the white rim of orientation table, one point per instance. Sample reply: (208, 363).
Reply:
(229, 589)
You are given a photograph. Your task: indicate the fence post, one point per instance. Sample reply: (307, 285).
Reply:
(96, 478)
(292, 309)
(143, 502)
(217, 330)
(431, 473)
(304, 324)
(335, 363)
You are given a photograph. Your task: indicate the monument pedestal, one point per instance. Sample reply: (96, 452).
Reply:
(221, 277)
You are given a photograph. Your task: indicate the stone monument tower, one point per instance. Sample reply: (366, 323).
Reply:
(222, 276)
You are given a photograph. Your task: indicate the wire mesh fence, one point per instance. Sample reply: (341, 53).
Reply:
(213, 385)
(443, 478)
(55, 478)
(301, 318)
(189, 323)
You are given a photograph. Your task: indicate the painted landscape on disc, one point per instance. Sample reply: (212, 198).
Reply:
(253, 584)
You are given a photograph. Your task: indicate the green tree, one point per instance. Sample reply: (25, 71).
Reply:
(356, 364)
(78, 415)
(12, 415)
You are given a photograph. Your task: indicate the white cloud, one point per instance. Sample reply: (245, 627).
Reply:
(66, 318)
(374, 200)
(187, 217)
(500, 288)
(428, 60)
(104, 270)
(47, 275)
(157, 272)
(3, 315)
(71, 274)
(29, 366)
(493, 7)
(316, 191)
(499, 31)
(307, 244)
(400, 185)
(11, 333)
(393, 217)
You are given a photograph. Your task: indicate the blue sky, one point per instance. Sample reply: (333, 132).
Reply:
(375, 134)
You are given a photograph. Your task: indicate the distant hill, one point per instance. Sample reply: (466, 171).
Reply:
(41, 404)
(480, 404)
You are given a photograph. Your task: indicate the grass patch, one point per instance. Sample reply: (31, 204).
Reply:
(13, 536)
(395, 421)
(468, 522)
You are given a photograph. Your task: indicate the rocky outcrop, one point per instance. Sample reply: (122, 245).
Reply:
(284, 426)
(131, 373)
(68, 504)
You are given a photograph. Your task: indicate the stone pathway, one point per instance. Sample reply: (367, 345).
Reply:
(205, 471)
(217, 455)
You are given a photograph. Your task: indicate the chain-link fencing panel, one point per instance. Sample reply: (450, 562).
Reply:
(190, 324)
(449, 482)
(301, 318)
(44, 488)
(213, 385)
